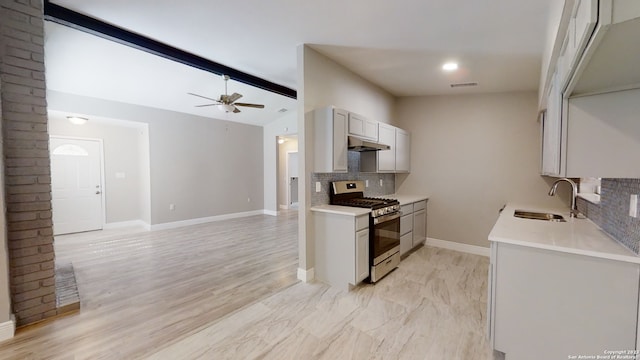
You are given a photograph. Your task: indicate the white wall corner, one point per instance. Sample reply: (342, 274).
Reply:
(8, 329)
(306, 275)
(456, 246)
(270, 212)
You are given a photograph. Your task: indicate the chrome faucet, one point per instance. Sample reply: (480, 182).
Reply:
(574, 194)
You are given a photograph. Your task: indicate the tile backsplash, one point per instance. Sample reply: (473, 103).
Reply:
(353, 173)
(612, 214)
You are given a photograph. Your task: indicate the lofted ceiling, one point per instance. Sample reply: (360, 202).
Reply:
(398, 45)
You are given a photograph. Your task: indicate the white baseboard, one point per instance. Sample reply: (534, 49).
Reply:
(306, 275)
(8, 329)
(452, 245)
(270, 212)
(177, 224)
(125, 224)
(284, 207)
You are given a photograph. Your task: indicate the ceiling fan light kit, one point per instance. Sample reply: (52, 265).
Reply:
(227, 103)
(77, 120)
(226, 108)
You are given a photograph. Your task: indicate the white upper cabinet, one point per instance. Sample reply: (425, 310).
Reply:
(585, 16)
(403, 151)
(552, 131)
(604, 135)
(330, 135)
(387, 158)
(363, 127)
(395, 160)
(607, 51)
(567, 56)
(332, 127)
(590, 124)
(581, 24)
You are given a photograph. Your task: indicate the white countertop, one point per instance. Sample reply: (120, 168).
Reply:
(341, 210)
(406, 199)
(576, 236)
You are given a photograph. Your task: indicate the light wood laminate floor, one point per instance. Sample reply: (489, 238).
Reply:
(142, 291)
(432, 307)
(227, 290)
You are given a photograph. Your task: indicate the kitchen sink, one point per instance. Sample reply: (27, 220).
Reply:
(524, 214)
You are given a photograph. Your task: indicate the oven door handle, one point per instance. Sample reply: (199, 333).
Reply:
(388, 217)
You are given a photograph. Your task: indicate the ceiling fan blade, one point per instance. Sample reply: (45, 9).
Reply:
(204, 97)
(233, 97)
(236, 110)
(206, 105)
(258, 106)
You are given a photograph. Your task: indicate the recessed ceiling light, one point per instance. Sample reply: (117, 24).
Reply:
(450, 66)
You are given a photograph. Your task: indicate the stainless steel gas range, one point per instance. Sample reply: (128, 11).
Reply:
(384, 225)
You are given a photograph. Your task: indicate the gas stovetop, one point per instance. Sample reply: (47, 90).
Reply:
(366, 202)
(351, 193)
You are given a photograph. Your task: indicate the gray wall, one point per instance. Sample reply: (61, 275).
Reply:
(122, 154)
(472, 154)
(205, 166)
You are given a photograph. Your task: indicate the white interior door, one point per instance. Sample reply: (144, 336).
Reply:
(76, 185)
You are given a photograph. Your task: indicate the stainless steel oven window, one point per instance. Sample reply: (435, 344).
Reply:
(385, 237)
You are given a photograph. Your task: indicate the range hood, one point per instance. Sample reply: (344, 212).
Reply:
(360, 145)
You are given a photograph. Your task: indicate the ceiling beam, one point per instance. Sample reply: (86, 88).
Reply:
(64, 16)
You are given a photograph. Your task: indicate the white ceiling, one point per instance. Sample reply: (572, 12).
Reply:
(83, 64)
(398, 45)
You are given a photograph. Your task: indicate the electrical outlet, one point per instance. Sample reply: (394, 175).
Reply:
(381, 183)
(366, 183)
(172, 207)
(633, 206)
(318, 186)
(248, 199)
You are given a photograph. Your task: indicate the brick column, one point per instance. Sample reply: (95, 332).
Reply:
(26, 160)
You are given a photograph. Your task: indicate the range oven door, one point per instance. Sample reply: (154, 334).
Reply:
(385, 237)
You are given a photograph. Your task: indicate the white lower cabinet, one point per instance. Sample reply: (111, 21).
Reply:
(341, 248)
(362, 255)
(419, 227)
(413, 225)
(545, 304)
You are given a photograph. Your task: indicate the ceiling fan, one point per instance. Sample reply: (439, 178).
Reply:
(227, 103)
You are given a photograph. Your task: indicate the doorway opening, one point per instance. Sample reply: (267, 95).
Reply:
(100, 186)
(287, 163)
